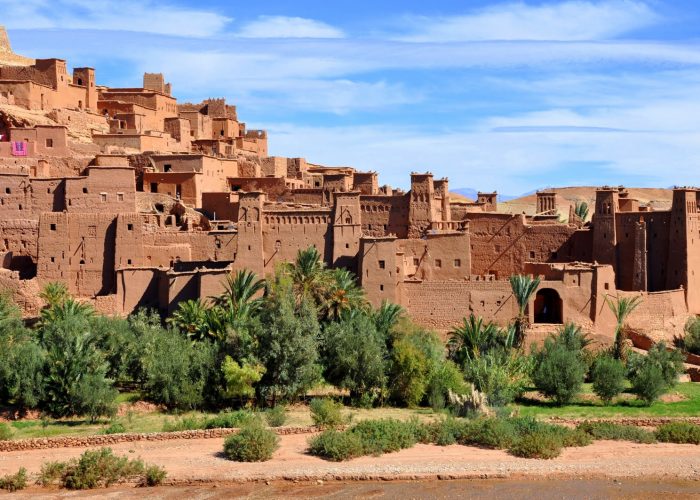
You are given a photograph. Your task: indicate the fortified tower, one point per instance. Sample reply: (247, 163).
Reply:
(684, 250)
(604, 230)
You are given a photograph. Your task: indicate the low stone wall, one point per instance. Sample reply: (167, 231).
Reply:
(636, 421)
(110, 439)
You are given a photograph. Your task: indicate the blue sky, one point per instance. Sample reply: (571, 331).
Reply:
(511, 96)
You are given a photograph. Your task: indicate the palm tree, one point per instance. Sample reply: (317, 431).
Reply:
(309, 279)
(573, 337)
(387, 316)
(622, 307)
(343, 295)
(192, 318)
(238, 298)
(69, 308)
(54, 293)
(523, 289)
(474, 338)
(581, 210)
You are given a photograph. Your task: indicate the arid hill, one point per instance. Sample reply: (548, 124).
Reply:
(659, 199)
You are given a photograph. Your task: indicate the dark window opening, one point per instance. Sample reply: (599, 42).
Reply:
(49, 143)
(85, 190)
(381, 287)
(160, 207)
(167, 167)
(129, 227)
(53, 227)
(8, 191)
(458, 263)
(382, 264)
(154, 187)
(438, 263)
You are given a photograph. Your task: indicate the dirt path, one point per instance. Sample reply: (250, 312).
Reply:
(200, 460)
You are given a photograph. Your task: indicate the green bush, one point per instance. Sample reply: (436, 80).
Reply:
(384, 435)
(542, 443)
(494, 433)
(501, 375)
(617, 432)
(94, 468)
(184, 424)
(654, 374)
(443, 432)
(558, 372)
(648, 383)
(177, 371)
(608, 376)
(336, 445)
(691, 340)
(253, 443)
(326, 413)
(14, 482)
(115, 428)
(370, 437)
(277, 416)
(353, 352)
(679, 432)
(154, 475)
(229, 420)
(408, 380)
(5, 432)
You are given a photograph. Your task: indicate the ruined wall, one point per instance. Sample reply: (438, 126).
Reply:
(384, 215)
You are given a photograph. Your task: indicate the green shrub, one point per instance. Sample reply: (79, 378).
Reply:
(558, 372)
(5, 432)
(336, 445)
(648, 383)
(253, 443)
(354, 354)
(494, 433)
(384, 435)
(154, 475)
(501, 375)
(617, 432)
(184, 424)
(443, 432)
(679, 432)
(92, 469)
(114, 428)
(176, 370)
(608, 376)
(277, 416)
(229, 420)
(574, 438)
(409, 374)
(654, 374)
(542, 443)
(691, 340)
(326, 413)
(14, 482)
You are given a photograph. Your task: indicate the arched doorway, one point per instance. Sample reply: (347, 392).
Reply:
(548, 307)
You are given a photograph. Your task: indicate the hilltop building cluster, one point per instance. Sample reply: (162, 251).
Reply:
(135, 200)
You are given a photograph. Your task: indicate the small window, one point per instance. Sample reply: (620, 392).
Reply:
(347, 245)
(438, 263)
(532, 255)
(82, 262)
(128, 261)
(8, 191)
(53, 227)
(458, 263)
(49, 143)
(53, 259)
(129, 227)
(382, 264)
(85, 191)
(167, 167)
(381, 287)
(103, 197)
(416, 261)
(607, 286)
(154, 187)
(120, 196)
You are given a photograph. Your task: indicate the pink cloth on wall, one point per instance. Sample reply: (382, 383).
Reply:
(19, 148)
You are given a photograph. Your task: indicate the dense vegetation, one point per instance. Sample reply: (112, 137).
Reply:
(268, 342)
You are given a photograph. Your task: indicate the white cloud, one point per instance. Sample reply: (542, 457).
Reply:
(569, 20)
(146, 16)
(288, 27)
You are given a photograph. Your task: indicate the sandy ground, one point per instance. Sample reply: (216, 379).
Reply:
(200, 461)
